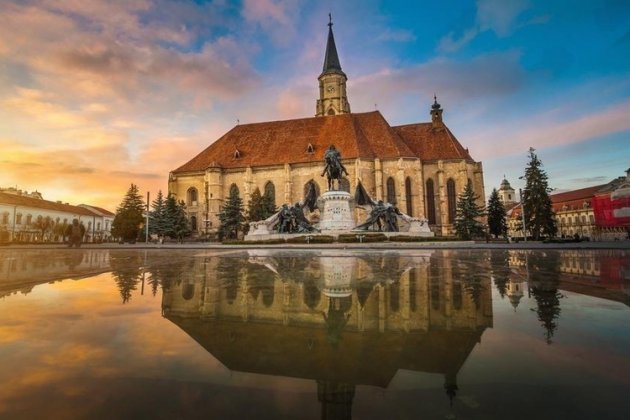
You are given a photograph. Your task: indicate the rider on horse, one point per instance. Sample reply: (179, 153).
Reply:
(334, 169)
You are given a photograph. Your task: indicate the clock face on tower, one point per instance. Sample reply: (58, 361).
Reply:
(330, 89)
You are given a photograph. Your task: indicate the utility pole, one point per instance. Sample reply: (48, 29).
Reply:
(146, 232)
(520, 192)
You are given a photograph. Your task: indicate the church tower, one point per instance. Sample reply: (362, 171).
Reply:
(506, 193)
(436, 114)
(332, 82)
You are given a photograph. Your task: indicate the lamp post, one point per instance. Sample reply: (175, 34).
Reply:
(520, 193)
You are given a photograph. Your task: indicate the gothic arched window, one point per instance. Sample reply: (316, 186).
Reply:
(391, 191)
(430, 201)
(451, 199)
(191, 196)
(307, 187)
(234, 190)
(193, 223)
(408, 196)
(270, 193)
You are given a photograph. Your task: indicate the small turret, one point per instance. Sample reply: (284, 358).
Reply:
(436, 113)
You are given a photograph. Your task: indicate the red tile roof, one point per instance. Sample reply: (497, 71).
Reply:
(574, 200)
(430, 143)
(362, 135)
(20, 200)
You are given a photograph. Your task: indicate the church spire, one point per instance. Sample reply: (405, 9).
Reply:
(331, 59)
(332, 81)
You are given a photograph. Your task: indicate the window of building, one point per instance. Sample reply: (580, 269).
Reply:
(408, 197)
(270, 193)
(451, 199)
(592, 219)
(234, 190)
(310, 148)
(18, 219)
(98, 226)
(311, 184)
(5, 218)
(391, 191)
(193, 223)
(394, 296)
(191, 196)
(430, 201)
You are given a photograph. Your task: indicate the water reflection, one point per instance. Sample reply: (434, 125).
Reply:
(341, 320)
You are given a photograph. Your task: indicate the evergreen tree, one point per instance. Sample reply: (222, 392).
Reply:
(231, 216)
(158, 223)
(129, 216)
(496, 215)
(500, 266)
(175, 220)
(466, 225)
(255, 207)
(539, 214)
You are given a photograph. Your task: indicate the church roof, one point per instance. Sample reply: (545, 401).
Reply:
(430, 143)
(360, 135)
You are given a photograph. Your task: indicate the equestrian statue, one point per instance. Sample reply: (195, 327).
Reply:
(334, 169)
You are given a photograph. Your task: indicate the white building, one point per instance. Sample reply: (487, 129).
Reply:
(27, 217)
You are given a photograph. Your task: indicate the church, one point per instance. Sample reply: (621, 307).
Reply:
(419, 167)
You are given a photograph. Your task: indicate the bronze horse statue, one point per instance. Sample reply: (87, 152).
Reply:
(334, 169)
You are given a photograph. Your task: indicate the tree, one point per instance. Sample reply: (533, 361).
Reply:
(539, 216)
(43, 224)
(496, 215)
(466, 225)
(260, 207)
(158, 224)
(129, 216)
(175, 220)
(231, 216)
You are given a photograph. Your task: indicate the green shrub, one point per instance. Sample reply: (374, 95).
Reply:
(366, 238)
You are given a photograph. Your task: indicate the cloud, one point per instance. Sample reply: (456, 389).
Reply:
(397, 35)
(276, 17)
(454, 81)
(499, 16)
(549, 129)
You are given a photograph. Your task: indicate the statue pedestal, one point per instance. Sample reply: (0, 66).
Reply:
(337, 213)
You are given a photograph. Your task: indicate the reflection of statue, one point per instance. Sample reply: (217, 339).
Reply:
(334, 169)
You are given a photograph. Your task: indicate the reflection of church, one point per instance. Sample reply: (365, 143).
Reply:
(341, 319)
(419, 167)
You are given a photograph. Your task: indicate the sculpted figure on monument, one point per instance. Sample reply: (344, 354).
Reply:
(334, 169)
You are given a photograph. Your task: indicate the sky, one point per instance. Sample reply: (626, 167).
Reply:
(98, 94)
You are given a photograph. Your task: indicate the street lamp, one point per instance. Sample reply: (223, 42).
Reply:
(520, 193)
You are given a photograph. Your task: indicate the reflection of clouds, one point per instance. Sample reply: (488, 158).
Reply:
(67, 338)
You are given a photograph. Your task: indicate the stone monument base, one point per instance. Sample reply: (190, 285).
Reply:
(337, 212)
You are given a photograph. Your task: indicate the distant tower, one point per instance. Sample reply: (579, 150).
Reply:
(436, 114)
(506, 193)
(333, 99)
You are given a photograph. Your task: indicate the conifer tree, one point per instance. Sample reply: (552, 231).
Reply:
(539, 214)
(496, 215)
(260, 207)
(255, 207)
(231, 216)
(157, 216)
(467, 213)
(175, 220)
(129, 216)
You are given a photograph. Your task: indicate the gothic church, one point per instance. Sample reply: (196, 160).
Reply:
(419, 167)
